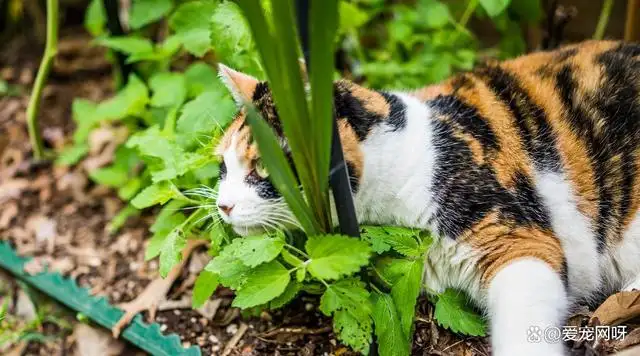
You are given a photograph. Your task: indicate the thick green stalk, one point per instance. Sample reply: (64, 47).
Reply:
(50, 51)
(603, 20)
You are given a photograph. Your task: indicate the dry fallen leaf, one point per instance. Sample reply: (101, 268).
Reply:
(12, 189)
(44, 230)
(618, 308)
(632, 339)
(25, 309)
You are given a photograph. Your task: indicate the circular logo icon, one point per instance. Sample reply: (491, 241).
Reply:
(552, 334)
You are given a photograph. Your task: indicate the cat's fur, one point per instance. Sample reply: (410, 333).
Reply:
(528, 171)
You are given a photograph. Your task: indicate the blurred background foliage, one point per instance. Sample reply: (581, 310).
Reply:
(396, 44)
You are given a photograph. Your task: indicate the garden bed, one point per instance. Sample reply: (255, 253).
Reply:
(60, 217)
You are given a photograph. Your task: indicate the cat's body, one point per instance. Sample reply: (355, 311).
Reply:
(528, 173)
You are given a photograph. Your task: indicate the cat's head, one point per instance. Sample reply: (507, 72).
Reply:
(246, 197)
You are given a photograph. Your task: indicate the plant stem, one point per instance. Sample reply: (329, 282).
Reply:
(50, 51)
(293, 248)
(471, 7)
(630, 28)
(603, 20)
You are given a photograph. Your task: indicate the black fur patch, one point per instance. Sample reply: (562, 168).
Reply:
(397, 118)
(531, 120)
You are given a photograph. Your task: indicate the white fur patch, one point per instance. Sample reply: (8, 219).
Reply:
(525, 298)
(574, 231)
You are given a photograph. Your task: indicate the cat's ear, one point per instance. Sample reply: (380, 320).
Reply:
(242, 86)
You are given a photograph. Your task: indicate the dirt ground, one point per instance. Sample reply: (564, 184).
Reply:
(59, 216)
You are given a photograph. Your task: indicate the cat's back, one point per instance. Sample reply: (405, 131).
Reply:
(550, 140)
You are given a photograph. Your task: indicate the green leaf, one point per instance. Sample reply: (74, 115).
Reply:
(287, 296)
(171, 251)
(263, 284)
(208, 112)
(334, 256)
(169, 219)
(405, 292)
(392, 341)
(121, 218)
(84, 114)
(169, 89)
(95, 18)
(165, 158)
(126, 44)
(70, 155)
(351, 17)
(231, 37)
(158, 193)
(110, 176)
(255, 250)
(348, 301)
(130, 101)
(402, 240)
(200, 78)
(233, 273)
(205, 285)
(454, 312)
(494, 7)
(527, 10)
(433, 14)
(190, 22)
(144, 12)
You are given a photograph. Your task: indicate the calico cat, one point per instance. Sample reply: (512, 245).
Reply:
(527, 171)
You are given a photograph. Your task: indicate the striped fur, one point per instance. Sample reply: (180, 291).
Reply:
(526, 170)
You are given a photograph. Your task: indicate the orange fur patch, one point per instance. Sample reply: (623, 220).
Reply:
(351, 147)
(371, 100)
(499, 244)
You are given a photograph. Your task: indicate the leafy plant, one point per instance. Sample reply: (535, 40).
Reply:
(173, 118)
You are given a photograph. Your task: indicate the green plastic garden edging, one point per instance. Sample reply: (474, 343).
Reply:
(148, 337)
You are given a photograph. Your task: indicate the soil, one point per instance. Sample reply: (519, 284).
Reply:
(57, 215)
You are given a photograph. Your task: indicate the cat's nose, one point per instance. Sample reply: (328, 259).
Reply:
(226, 208)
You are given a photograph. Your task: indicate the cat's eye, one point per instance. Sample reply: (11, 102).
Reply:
(261, 170)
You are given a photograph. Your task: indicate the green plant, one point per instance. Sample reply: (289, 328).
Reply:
(173, 119)
(50, 51)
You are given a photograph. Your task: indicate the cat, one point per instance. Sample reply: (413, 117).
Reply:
(526, 171)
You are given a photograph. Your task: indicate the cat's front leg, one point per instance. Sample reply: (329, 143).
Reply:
(527, 304)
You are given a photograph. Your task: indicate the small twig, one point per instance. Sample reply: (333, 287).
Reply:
(50, 50)
(234, 340)
(603, 20)
(301, 331)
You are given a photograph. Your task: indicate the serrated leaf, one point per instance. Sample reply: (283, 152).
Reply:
(95, 19)
(164, 157)
(405, 292)
(233, 273)
(348, 301)
(190, 22)
(392, 341)
(333, 256)
(169, 89)
(204, 286)
(453, 312)
(287, 296)
(158, 193)
(494, 7)
(433, 14)
(402, 240)
(171, 251)
(255, 250)
(144, 12)
(263, 284)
